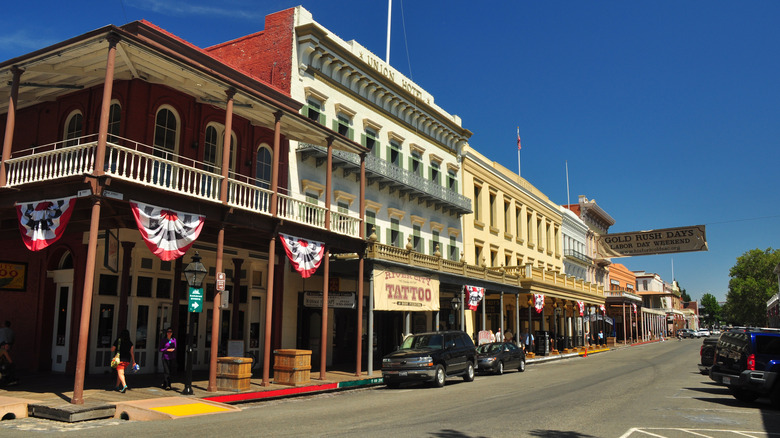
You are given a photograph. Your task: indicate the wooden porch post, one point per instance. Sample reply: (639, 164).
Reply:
(326, 262)
(94, 225)
(271, 253)
(215, 311)
(361, 266)
(10, 123)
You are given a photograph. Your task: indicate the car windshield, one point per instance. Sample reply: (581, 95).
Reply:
(422, 341)
(489, 348)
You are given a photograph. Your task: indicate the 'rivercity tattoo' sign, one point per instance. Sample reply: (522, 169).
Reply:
(664, 241)
(405, 290)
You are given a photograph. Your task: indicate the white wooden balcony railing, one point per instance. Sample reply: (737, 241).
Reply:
(142, 164)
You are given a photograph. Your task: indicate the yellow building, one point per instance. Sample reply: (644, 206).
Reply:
(516, 230)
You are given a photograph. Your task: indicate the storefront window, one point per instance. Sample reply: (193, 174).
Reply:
(105, 326)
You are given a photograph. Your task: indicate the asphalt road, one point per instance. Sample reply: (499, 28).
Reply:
(649, 390)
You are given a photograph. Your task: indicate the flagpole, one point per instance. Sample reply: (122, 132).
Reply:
(389, 14)
(519, 173)
(568, 202)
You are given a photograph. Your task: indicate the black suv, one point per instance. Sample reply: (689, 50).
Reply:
(748, 362)
(431, 357)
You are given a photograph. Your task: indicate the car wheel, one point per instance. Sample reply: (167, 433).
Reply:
(439, 377)
(500, 368)
(521, 368)
(469, 376)
(744, 395)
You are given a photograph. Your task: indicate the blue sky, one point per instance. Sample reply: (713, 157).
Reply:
(667, 112)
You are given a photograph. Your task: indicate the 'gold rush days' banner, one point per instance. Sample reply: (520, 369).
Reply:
(397, 290)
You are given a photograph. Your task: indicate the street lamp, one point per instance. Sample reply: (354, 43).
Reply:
(195, 272)
(455, 304)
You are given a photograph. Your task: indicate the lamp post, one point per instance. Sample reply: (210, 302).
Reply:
(455, 304)
(195, 272)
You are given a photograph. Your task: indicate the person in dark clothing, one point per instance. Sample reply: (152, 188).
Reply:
(168, 350)
(126, 358)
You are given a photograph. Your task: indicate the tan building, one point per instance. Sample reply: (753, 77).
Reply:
(516, 230)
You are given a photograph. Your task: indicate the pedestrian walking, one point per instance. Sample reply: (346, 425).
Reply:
(499, 336)
(124, 346)
(168, 349)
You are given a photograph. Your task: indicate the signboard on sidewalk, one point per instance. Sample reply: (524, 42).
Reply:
(663, 241)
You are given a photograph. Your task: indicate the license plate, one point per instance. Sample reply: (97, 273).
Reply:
(727, 380)
(402, 373)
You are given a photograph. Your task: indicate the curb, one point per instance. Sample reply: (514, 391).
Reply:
(294, 391)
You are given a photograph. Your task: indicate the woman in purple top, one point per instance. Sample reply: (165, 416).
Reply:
(168, 349)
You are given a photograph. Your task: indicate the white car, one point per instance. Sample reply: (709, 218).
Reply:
(702, 333)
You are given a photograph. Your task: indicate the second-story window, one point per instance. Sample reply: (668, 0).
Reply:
(263, 166)
(73, 128)
(166, 132)
(452, 181)
(343, 125)
(313, 110)
(395, 153)
(417, 241)
(371, 224)
(435, 241)
(370, 141)
(114, 121)
(493, 210)
(453, 249)
(394, 233)
(212, 151)
(477, 200)
(435, 172)
(507, 216)
(416, 165)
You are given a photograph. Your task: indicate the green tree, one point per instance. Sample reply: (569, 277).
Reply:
(752, 283)
(711, 309)
(684, 296)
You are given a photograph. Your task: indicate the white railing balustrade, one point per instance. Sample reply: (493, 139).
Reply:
(153, 167)
(50, 163)
(300, 211)
(150, 170)
(344, 224)
(249, 197)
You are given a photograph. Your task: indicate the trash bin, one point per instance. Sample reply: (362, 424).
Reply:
(292, 367)
(234, 373)
(543, 343)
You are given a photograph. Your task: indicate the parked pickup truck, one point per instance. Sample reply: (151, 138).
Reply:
(707, 354)
(748, 363)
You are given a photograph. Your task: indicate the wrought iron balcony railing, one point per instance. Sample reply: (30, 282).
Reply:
(387, 173)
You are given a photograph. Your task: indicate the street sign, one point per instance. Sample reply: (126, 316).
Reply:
(220, 281)
(196, 300)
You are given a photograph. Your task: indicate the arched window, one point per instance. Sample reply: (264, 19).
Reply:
(212, 153)
(166, 132)
(73, 128)
(263, 166)
(114, 121)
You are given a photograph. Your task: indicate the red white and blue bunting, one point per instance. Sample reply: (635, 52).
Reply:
(602, 308)
(475, 294)
(167, 233)
(43, 222)
(633, 305)
(305, 255)
(581, 305)
(539, 302)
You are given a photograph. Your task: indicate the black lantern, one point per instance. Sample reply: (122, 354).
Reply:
(195, 272)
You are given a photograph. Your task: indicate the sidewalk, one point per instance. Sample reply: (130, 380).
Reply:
(49, 395)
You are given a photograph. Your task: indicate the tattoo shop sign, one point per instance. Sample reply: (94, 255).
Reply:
(405, 290)
(663, 241)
